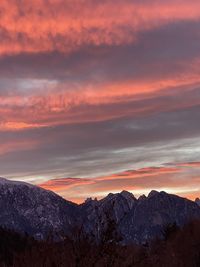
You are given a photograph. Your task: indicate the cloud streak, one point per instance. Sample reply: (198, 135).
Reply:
(82, 105)
(41, 26)
(179, 179)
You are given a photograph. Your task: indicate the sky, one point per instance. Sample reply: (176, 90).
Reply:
(101, 96)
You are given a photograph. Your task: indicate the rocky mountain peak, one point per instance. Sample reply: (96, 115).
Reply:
(142, 197)
(127, 195)
(153, 193)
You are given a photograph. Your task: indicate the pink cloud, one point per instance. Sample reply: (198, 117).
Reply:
(176, 180)
(37, 27)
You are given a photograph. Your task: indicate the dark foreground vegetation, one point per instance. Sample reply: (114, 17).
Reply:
(180, 248)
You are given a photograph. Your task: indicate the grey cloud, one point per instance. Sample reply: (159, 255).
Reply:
(92, 148)
(156, 54)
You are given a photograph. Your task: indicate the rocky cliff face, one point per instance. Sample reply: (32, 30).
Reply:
(151, 215)
(98, 215)
(138, 220)
(30, 209)
(120, 217)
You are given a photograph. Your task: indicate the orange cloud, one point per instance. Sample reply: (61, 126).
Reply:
(65, 183)
(35, 26)
(175, 180)
(19, 126)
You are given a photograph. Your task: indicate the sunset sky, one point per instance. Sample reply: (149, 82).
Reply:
(101, 96)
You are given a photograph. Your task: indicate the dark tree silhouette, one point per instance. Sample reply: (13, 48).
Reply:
(180, 248)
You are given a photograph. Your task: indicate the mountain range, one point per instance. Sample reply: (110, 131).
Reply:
(121, 217)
